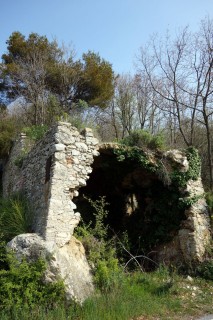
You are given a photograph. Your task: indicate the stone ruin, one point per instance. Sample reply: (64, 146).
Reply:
(66, 164)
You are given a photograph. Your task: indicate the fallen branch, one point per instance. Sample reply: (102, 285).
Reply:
(133, 257)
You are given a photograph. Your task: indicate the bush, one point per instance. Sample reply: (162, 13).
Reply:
(7, 134)
(205, 270)
(100, 251)
(18, 162)
(22, 285)
(142, 138)
(108, 273)
(35, 133)
(15, 216)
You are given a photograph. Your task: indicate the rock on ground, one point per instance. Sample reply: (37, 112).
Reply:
(67, 263)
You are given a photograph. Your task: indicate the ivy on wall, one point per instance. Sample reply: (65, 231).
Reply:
(167, 206)
(135, 154)
(178, 178)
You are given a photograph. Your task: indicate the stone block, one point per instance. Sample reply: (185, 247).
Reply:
(81, 146)
(59, 147)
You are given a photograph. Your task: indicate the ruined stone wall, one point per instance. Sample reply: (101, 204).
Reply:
(194, 235)
(51, 174)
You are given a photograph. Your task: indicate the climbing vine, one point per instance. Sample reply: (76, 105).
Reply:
(179, 178)
(137, 155)
(189, 201)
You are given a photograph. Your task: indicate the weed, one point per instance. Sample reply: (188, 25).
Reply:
(15, 216)
(101, 253)
(205, 270)
(35, 133)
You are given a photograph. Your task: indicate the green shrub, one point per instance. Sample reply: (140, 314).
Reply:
(205, 270)
(15, 216)
(100, 213)
(22, 285)
(18, 162)
(108, 273)
(7, 134)
(35, 133)
(142, 138)
(100, 251)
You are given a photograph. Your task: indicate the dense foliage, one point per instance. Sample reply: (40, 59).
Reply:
(36, 69)
(22, 284)
(143, 138)
(35, 133)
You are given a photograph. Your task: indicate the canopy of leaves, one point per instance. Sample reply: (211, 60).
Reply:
(96, 85)
(36, 68)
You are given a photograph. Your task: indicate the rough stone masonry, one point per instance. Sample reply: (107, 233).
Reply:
(51, 174)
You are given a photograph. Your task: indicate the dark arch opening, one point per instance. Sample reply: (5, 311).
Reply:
(139, 202)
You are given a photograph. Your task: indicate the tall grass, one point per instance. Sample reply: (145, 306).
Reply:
(157, 295)
(15, 216)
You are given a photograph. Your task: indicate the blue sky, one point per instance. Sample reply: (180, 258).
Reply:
(113, 28)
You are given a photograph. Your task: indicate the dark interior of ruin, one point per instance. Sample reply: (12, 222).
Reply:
(138, 201)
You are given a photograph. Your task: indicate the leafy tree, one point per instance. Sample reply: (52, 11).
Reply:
(90, 80)
(35, 68)
(142, 138)
(25, 70)
(63, 80)
(96, 85)
(16, 48)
